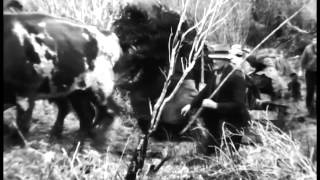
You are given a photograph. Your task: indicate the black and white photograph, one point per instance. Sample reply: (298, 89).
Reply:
(159, 89)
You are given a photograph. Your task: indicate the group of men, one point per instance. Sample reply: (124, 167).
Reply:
(228, 105)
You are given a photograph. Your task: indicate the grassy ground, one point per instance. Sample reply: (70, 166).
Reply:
(275, 155)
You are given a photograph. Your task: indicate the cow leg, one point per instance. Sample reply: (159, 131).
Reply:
(24, 114)
(85, 111)
(83, 108)
(63, 110)
(104, 121)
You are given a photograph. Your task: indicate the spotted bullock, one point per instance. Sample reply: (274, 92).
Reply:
(49, 57)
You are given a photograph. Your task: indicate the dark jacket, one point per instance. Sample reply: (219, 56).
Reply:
(230, 98)
(294, 88)
(309, 58)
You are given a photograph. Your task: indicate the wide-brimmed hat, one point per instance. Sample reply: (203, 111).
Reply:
(219, 52)
(236, 50)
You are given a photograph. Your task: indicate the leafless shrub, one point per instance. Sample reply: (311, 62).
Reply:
(278, 157)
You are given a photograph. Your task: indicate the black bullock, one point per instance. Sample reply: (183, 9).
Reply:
(48, 57)
(144, 38)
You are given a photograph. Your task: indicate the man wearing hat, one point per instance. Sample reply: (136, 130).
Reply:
(228, 104)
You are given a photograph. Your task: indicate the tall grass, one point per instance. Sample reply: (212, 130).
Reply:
(278, 156)
(275, 156)
(92, 12)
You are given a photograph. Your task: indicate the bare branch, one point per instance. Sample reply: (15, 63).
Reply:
(150, 106)
(220, 21)
(163, 72)
(175, 43)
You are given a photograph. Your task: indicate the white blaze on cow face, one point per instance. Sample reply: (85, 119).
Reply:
(100, 79)
(20, 32)
(108, 45)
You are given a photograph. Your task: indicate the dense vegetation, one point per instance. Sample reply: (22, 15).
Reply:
(275, 155)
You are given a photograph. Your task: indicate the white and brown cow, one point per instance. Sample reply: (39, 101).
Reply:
(46, 57)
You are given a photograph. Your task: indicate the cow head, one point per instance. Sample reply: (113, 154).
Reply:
(144, 37)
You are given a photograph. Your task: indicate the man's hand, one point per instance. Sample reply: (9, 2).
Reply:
(185, 109)
(208, 103)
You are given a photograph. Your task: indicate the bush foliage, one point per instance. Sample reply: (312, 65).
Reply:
(277, 157)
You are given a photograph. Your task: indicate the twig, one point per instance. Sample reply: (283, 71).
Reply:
(124, 149)
(71, 164)
(76, 152)
(154, 169)
(198, 43)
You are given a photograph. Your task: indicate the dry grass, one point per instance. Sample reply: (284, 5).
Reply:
(91, 12)
(233, 30)
(278, 156)
(274, 156)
